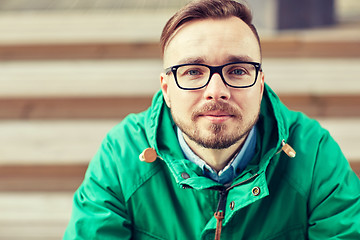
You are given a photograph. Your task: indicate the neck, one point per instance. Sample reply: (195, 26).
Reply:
(217, 159)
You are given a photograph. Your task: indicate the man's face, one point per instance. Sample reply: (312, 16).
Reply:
(216, 116)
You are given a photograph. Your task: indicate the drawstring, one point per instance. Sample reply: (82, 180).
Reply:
(288, 149)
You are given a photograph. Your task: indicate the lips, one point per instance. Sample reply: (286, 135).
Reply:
(216, 116)
(216, 109)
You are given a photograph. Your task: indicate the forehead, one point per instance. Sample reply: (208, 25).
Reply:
(213, 40)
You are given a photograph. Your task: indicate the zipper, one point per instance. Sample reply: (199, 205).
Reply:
(220, 210)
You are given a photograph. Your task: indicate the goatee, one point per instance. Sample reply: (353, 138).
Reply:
(218, 137)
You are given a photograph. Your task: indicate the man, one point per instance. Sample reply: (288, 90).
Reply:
(220, 155)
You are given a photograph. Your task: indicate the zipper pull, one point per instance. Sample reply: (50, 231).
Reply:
(288, 149)
(220, 213)
(219, 217)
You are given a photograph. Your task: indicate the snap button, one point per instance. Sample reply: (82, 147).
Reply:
(185, 175)
(232, 205)
(256, 191)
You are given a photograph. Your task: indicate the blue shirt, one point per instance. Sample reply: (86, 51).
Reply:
(234, 167)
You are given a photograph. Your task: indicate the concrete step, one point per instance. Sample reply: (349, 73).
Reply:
(347, 133)
(345, 9)
(40, 215)
(34, 216)
(320, 76)
(81, 26)
(135, 34)
(320, 87)
(75, 142)
(280, 46)
(51, 142)
(89, 5)
(79, 78)
(330, 105)
(53, 155)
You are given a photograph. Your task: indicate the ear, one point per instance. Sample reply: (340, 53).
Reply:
(165, 88)
(262, 83)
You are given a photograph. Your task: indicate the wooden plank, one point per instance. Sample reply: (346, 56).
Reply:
(72, 108)
(57, 178)
(51, 142)
(62, 27)
(34, 215)
(112, 78)
(79, 51)
(141, 77)
(272, 48)
(280, 48)
(327, 105)
(126, 33)
(346, 132)
(331, 105)
(54, 155)
(80, 78)
(355, 165)
(48, 178)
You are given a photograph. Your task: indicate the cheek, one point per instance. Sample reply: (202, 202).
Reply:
(182, 102)
(256, 93)
(249, 101)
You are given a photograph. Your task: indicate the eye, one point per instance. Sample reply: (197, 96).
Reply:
(238, 71)
(193, 72)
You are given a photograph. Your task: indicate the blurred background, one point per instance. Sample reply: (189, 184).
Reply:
(72, 69)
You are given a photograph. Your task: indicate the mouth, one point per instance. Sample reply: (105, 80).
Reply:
(216, 112)
(216, 117)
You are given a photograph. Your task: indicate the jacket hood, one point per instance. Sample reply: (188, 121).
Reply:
(160, 130)
(160, 121)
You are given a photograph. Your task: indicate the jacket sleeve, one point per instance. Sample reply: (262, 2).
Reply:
(99, 210)
(334, 203)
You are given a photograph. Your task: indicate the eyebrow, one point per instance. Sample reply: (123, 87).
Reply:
(192, 60)
(243, 58)
(231, 58)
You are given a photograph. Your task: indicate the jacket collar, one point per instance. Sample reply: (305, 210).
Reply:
(161, 133)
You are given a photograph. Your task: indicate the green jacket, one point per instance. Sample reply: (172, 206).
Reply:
(315, 195)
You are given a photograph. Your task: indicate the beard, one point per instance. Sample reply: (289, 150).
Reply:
(216, 135)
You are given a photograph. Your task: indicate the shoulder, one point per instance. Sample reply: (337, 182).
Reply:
(319, 162)
(318, 156)
(117, 164)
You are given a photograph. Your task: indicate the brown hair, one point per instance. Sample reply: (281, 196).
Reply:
(205, 9)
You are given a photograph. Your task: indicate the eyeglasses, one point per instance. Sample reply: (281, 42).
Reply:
(194, 76)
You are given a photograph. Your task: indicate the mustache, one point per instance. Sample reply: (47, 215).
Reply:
(216, 106)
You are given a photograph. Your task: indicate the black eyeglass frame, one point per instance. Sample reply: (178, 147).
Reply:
(213, 70)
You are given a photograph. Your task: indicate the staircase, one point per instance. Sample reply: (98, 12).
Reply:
(68, 75)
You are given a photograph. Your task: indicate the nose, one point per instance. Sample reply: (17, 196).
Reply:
(216, 89)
